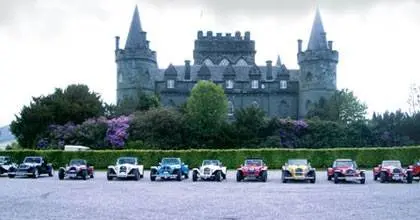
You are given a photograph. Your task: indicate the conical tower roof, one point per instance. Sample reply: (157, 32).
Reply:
(317, 40)
(135, 38)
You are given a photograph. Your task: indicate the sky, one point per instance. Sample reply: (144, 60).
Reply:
(48, 44)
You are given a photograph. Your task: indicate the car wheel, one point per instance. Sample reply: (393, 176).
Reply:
(223, 175)
(195, 176)
(375, 177)
(179, 175)
(35, 173)
(314, 178)
(329, 177)
(382, 177)
(51, 173)
(136, 175)
(283, 176)
(363, 180)
(60, 174)
(108, 176)
(409, 177)
(239, 176)
(336, 178)
(84, 174)
(152, 175)
(264, 176)
(186, 175)
(218, 176)
(91, 176)
(11, 176)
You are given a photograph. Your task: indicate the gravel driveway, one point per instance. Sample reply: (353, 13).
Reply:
(99, 199)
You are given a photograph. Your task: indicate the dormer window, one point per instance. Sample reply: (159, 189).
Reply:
(283, 84)
(224, 62)
(241, 62)
(254, 84)
(170, 84)
(229, 84)
(208, 62)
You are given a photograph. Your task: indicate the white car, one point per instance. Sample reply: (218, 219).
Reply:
(5, 164)
(126, 168)
(210, 170)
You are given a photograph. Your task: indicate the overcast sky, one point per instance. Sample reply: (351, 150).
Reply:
(46, 44)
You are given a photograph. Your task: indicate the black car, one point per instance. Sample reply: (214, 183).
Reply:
(31, 166)
(5, 164)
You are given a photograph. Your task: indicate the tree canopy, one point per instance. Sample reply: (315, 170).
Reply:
(74, 104)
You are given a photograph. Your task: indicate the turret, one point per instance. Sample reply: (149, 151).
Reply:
(136, 63)
(318, 64)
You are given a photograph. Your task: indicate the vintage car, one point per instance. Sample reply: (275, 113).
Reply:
(416, 170)
(252, 169)
(298, 169)
(126, 168)
(209, 170)
(31, 166)
(346, 170)
(5, 164)
(391, 170)
(169, 168)
(77, 168)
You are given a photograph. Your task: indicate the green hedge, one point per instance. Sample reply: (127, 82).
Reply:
(275, 158)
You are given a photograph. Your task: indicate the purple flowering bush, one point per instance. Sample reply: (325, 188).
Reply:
(286, 133)
(96, 133)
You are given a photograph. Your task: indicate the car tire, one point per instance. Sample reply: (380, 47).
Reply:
(51, 172)
(195, 176)
(186, 175)
(179, 175)
(239, 176)
(314, 179)
(218, 176)
(223, 175)
(108, 177)
(336, 178)
(375, 177)
(91, 176)
(35, 174)
(264, 176)
(329, 177)
(382, 177)
(409, 177)
(152, 175)
(84, 174)
(363, 180)
(60, 174)
(11, 176)
(136, 175)
(283, 176)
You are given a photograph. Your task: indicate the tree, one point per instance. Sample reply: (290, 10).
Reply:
(341, 107)
(74, 104)
(249, 123)
(414, 99)
(206, 110)
(126, 106)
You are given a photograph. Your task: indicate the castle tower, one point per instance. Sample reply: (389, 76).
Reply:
(317, 68)
(136, 63)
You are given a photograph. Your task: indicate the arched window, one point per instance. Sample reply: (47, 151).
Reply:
(231, 108)
(229, 84)
(208, 62)
(284, 109)
(224, 62)
(241, 62)
(308, 104)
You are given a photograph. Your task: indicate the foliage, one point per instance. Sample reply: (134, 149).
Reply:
(341, 107)
(249, 123)
(74, 104)
(158, 128)
(275, 158)
(142, 102)
(414, 99)
(206, 111)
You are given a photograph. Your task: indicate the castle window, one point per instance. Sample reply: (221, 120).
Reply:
(309, 77)
(120, 78)
(229, 84)
(170, 84)
(241, 62)
(231, 108)
(224, 62)
(283, 84)
(208, 62)
(254, 84)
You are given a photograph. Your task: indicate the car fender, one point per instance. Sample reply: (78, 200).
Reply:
(224, 170)
(112, 168)
(62, 168)
(140, 169)
(154, 168)
(196, 170)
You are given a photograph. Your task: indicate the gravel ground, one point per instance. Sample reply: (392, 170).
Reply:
(99, 199)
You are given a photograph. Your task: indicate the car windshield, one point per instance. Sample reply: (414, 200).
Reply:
(171, 161)
(126, 160)
(344, 164)
(211, 162)
(297, 162)
(77, 162)
(393, 163)
(32, 160)
(253, 162)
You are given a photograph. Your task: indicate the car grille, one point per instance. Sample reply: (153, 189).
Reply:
(123, 169)
(396, 170)
(72, 169)
(206, 170)
(350, 172)
(166, 168)
(298, 172)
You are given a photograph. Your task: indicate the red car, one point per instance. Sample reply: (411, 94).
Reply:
(391, 170)
(252, 169)
(345, 170)
(416, 170)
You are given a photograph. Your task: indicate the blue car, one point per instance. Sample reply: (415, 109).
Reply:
(169, 168)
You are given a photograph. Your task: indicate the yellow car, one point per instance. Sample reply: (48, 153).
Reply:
(298, 169)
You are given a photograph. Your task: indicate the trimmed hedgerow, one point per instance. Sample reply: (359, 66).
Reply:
(232, 158)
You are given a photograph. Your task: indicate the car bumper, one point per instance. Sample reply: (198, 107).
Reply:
(299, 178)
(167, 175)
(206, 176)
(350, 178)
(20, 173)
(122, 175)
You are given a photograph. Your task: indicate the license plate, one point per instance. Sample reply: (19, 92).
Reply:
(397, 177)
(72, 175)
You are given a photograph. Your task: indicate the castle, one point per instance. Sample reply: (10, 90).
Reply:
(229, 60)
